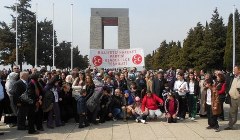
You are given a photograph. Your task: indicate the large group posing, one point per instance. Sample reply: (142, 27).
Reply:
(93, 96)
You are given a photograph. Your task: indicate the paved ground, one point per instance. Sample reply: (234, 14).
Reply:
(119, 130)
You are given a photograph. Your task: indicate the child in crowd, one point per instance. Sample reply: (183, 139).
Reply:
(137, 112)
(212, 105)
(82, 109)
(165, 91)
(171, 108)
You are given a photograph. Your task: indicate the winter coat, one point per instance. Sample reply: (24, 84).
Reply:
(151, 102)
(48, 101)
(117, 102)
(13, 76)
(176, 106)
(196, 87)
(94, 101)
(214, 101)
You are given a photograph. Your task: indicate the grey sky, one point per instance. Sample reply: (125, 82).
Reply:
(151, 21)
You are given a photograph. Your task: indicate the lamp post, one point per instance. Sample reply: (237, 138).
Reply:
(53, 41)
(16, 35)
(36, 37)
(71, 36)
(234, 58)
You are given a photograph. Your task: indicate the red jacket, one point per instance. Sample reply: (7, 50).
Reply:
(151, 102)
(223, 89)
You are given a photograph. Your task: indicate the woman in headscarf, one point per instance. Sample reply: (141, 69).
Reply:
(13, 77)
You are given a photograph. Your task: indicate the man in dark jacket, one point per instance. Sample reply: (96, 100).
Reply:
(158, 84)
(118, 105)
(24, 109)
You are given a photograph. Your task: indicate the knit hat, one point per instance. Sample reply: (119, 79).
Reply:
(126, 91)
(137, 99)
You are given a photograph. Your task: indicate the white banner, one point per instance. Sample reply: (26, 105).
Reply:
(116, 58)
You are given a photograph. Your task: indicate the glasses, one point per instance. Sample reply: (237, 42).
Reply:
(15, 68)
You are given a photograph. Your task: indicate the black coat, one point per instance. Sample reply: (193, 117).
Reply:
(196, 87)
(18, 89)
(32, 91)
(117, 102)
(94, 101)
(158, 86)
(106, 101)
(89, 90)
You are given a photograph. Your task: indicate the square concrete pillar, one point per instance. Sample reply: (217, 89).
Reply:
(123, 33)
(96, 33)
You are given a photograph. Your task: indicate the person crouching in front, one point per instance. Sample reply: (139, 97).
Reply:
(171, 108)
(82, 109)
(150, 101)
(137, 111)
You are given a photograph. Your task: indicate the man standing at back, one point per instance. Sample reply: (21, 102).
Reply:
(158, 84)
(234, 93)
(22, 108)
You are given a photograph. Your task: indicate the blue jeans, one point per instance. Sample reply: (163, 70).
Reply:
(117, 113)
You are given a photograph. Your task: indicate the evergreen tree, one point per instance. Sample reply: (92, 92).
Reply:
(186, 58)
(219, 39)
(237, 47)
(229, 44)
(148, 62)
(7, 45)
(26, 26)
(63, 57)
(174, 53)
(205, 53)
(159, 59)
(45, 42)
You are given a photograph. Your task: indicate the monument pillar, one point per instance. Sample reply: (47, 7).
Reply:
(101, 17)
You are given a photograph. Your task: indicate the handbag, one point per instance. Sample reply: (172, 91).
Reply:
(25, 98)
(228, 99)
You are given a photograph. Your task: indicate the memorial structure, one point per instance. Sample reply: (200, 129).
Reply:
(101, 17)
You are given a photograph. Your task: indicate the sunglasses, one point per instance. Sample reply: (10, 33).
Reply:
(15, 68)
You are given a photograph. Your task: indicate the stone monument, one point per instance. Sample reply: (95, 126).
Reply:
(101, 17)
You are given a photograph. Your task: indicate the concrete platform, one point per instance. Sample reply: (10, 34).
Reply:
(119, 130)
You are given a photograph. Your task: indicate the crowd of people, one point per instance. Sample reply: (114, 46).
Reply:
(93, 96)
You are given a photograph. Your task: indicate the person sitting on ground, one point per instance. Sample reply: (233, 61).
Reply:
(137, 112)
(105, 112)
(171, 108)
(118, 105)
(150, 101)
(129, 99)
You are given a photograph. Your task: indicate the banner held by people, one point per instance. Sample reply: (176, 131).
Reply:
(116, 58)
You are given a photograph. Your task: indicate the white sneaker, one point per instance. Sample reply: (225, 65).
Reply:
(137, 120)
(114, 119)
(143, 121)
(192, 119)
(178, 118)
